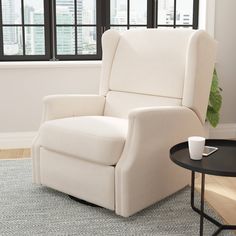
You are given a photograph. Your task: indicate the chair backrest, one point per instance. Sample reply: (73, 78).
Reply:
(154, 67)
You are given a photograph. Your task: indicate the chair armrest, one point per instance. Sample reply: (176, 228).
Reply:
(154, 127)
(61, 106)
(145, 166)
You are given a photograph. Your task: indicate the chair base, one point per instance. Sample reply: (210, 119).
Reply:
(53, 164)
(83, 201)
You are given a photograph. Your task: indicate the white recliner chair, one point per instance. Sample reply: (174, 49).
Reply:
(112, 149)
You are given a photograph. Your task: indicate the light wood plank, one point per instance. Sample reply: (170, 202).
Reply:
(14, 153)
(221, 195)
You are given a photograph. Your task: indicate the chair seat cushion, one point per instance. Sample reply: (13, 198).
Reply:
(97, 139)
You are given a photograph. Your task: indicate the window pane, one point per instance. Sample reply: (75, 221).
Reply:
(65, 40)
(138, 12)
(65, 11)
(184, 12)
(119, 28)
(119, 12)
(165, 12)
(86, 11)
(11, 12)
(34, 11)
(12, 40)
(34, 40)
(87, 37)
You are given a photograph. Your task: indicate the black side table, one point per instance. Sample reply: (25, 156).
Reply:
(221, 163)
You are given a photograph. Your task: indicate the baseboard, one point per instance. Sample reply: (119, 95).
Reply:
(223, 131)
(15, 140)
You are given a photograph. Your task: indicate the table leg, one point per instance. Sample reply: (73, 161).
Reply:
(202, 204)
(192, 189)
(193, 204)
(201, 210)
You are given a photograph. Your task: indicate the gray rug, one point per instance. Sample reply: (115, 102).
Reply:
(27, 209)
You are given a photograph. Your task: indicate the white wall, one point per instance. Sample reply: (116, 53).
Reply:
(225, 34)
(23, 85)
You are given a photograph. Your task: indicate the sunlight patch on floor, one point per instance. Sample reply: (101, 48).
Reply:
(221, 195)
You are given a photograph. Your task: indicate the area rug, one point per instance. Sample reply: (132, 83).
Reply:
(28, 209)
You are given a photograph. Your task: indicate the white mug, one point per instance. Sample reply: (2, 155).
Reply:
(196, 146)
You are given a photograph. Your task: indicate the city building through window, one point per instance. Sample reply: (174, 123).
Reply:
(72, 29)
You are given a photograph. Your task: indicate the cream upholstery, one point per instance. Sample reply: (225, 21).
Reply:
(135, 61)
(71, 136)
(112, 149)
(119, 104)
(69, 173)
(61, 106)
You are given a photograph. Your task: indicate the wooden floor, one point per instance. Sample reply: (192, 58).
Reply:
(220, 191)
(221, 195)
(14, 153)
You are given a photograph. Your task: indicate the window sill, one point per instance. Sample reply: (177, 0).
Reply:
(50, 64)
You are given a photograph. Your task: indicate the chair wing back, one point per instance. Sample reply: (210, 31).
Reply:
(155, 67)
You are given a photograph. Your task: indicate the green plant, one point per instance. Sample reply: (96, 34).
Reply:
(215, 101)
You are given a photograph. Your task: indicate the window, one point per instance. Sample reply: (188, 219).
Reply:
(24, 30)
(77, 29)
(72, 29)
(129, 14)
(177, 13)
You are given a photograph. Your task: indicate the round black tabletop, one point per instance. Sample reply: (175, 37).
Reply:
(221, 163)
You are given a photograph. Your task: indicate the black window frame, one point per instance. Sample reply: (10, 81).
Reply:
(99, 32)
(102, 24)
(150, 16)
(25, 57)
(195, 21)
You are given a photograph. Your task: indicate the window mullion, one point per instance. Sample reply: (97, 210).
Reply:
(156, 14)
(103, 14)
(47, 30)
(195, 13)
(150, 13)
(53, 24)
(75, 19)
(106, 8)
(23, 27)
(1, 30)
(128, 14)
(174, 20)
(100, 24)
